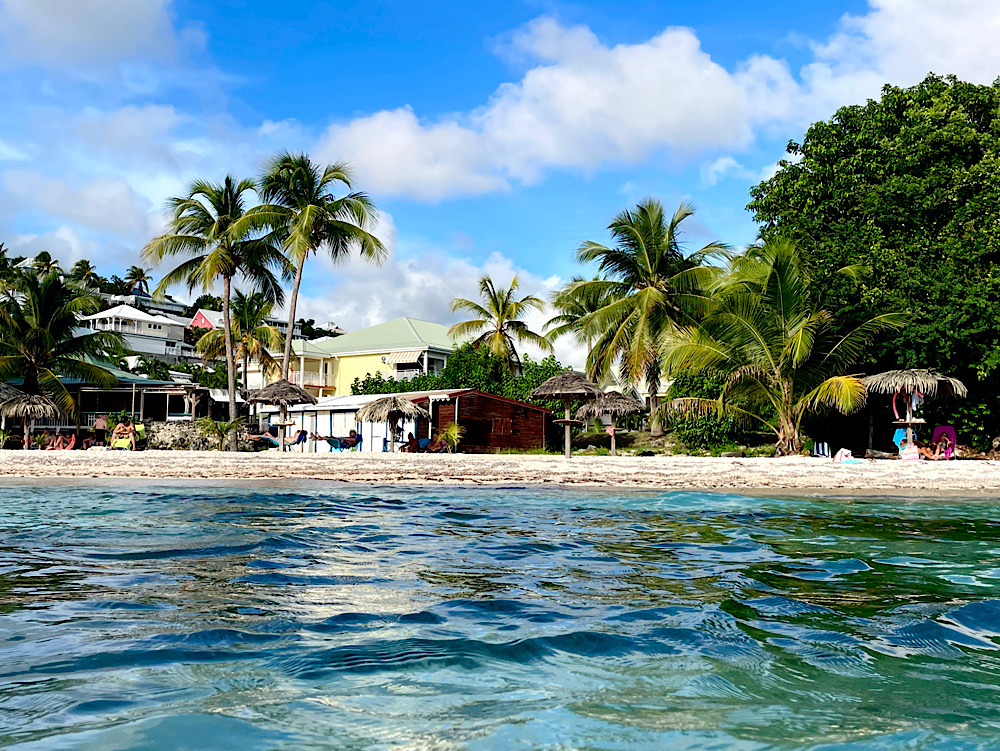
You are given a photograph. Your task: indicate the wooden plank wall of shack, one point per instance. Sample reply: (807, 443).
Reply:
(491, 423)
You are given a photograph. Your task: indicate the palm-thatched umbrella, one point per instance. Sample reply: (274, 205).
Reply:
(284, 394)
(570, 387)
(612, 404)
(28, 408)
(389, 409)
(919, 381)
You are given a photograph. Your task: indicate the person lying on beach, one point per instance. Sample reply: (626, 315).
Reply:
(268, 438)
(124, 429)
(347, 442)
(922, 448)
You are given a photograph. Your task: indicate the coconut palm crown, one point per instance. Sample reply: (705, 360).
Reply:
(253, 336)
(497, 324)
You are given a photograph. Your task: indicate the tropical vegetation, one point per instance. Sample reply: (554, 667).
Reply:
(253, 337)
(304, 213)
(203, 228)
(40, 338)
(906, 185)
(780, 353)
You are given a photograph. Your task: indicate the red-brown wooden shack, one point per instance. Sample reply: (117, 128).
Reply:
(491, 422)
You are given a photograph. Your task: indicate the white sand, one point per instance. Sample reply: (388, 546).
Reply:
(677, 472)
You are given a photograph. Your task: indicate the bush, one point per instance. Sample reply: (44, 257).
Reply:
(701, 431)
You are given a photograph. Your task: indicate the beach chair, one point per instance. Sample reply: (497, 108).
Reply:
(335, 444)
(424, 443)
(949, 431)
(121, 444)
(72, 442)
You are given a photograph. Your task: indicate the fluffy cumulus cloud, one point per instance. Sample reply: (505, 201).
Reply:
(88, 32)
(585, 104)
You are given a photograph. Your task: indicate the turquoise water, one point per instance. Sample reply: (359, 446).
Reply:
(345, 618)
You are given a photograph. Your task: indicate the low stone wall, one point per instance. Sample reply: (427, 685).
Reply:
(185, 436)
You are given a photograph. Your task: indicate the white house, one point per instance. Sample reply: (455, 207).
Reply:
(150, 334)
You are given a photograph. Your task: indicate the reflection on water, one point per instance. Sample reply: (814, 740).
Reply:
(386, 618)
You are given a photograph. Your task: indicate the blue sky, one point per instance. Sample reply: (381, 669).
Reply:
(494, 136)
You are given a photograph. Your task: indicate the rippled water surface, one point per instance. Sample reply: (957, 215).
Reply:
(345, 618)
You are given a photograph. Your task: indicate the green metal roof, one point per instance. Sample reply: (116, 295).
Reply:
(401, 333)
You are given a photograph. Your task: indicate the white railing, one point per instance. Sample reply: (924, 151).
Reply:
(306, 378)
(402, 375)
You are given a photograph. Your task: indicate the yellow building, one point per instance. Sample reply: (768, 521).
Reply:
(397, 349)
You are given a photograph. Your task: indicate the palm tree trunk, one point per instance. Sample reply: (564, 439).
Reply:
(292, 302)
(246, 365)
(230, 363)
(286, 359)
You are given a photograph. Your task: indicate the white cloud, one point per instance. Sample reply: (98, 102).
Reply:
(104, 204)
(88, 32)
(585, 104)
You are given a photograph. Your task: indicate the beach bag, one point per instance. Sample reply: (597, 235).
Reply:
(842, 456)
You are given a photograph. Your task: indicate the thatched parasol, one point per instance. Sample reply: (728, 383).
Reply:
(389, 409)
(28, 408)
(612, 404)
(8, 392)
(914, 381)
(569, 387)
(283, 394)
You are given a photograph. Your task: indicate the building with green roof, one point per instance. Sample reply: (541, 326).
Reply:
(398, 349)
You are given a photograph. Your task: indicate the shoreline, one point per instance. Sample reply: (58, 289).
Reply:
(797, 475)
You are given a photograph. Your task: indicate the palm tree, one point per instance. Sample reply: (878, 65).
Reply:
(253, 336)
(138, 279)
(574, 303)
(7, 263)
(44, 263)
(299, 205)
(780, 354)
(84, 273)
(40, 337)
(649, 287)
(498, 320)
(203, 227)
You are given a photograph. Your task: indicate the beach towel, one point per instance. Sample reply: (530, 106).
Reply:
(898, 437)
(842, 456)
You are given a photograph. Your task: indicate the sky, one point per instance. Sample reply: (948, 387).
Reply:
(494, 137)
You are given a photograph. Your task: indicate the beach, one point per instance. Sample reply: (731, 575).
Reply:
(657, 472)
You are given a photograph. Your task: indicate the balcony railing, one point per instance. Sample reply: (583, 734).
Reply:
(306, 378)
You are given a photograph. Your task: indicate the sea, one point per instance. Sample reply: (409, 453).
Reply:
(185, 615)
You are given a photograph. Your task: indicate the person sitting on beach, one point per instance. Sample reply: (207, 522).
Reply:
(43, 439)
(124, 429)
(922, 448)
(941, 449)
(88, 442)
(57, 442)
(437, 446)
(100, 429)
(412, 445)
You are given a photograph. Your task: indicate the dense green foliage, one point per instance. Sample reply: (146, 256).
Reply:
(702, 431)
(909, 186)
(471, 368)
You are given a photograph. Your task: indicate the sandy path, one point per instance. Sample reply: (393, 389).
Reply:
(678, 472)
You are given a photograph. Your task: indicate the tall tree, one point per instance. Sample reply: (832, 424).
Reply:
(651, 287)
(139, 280)
(203, 227)
(497, 320)
(906, 184)
(7, 263)
(779, 352)
(253, 336)
(44, 263)
(573, 304)
(301, 207)
(84, 273)
(41, 338)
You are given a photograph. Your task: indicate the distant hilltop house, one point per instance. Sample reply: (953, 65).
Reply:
(398, 349)
(212, 319)
(151, 334)
(165, 304)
